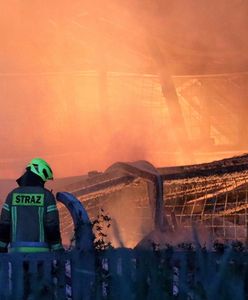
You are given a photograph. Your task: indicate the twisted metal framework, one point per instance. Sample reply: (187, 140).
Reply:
(218, 201)
(214, 195)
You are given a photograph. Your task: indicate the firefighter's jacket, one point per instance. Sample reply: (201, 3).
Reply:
(29, 220)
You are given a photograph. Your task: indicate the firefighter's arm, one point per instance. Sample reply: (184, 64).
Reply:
(52, 226)
(5, 225)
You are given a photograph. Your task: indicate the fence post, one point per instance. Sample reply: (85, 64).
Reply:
(17, 276)
(83, 274)
(4, 277)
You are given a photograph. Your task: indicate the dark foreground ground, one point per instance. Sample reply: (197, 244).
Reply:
(123, 274)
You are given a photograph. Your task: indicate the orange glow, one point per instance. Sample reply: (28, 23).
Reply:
(75, 85)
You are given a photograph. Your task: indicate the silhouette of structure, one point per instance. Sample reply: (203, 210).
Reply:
(214, 195)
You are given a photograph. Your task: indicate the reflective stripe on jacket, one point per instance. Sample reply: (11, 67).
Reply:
(29, 247)
(30, 214)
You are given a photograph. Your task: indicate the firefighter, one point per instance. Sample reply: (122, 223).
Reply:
(29, 220)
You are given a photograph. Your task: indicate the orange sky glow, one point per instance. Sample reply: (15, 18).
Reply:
(79, 86)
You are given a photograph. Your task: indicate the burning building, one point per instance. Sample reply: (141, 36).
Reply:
(162, 81)
(213, 196)
(86, 84)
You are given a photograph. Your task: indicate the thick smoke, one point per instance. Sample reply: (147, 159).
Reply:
(65, 93)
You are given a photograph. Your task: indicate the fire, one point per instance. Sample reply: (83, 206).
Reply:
(81, 85)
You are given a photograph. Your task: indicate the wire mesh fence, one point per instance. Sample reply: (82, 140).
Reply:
(218, 202)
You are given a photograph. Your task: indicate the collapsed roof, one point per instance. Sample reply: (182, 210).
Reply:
(213, 194)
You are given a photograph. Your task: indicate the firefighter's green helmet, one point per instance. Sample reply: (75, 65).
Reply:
(41, 168)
